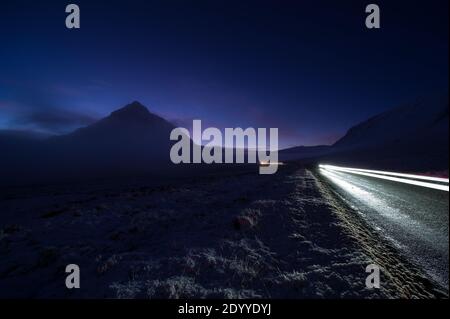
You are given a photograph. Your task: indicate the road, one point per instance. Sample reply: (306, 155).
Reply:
(413, 218)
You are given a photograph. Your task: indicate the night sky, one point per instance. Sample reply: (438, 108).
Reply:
(310, 68)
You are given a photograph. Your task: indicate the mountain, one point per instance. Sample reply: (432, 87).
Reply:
(412, 137)
(134, 121)
(410, 123)
(409, 138)
(129, 141)
(130, 134)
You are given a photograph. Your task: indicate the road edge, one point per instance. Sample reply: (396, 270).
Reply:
(408, 279)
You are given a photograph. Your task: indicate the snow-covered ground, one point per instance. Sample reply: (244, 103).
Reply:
(235, 236)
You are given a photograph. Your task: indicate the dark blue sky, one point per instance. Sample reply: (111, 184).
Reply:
(310, 68)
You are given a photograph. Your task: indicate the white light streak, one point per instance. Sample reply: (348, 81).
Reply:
(420, 177)
(390, 176)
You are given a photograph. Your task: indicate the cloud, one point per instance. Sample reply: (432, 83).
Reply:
(53, 120)
(40, 109)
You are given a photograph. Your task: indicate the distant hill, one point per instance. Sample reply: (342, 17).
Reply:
(413, 137)
(410, 123)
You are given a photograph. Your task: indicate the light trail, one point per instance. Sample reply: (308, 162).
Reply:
(420, 177)
(413, 219)
(385, 176)
(267, 163)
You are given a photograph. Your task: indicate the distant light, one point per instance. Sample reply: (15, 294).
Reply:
(267, 163)
(389, 176)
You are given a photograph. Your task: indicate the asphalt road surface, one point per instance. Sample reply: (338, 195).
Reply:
(413, 218)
